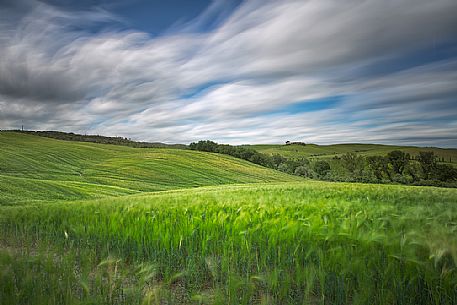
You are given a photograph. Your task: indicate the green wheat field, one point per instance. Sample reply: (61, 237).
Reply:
(85, 223)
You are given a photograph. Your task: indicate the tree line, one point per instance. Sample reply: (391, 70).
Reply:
(396, 167)
(70, 136)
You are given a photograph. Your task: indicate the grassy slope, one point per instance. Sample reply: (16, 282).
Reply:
(288, 242)
(291, 242)
(37, 168)
(328, 151)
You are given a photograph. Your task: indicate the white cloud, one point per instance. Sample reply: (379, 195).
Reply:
(265, 56)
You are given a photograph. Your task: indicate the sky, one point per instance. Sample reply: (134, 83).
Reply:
(232, 71)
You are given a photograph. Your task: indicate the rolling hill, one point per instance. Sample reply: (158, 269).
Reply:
(38, 168)
(86, 223)
(330, 151)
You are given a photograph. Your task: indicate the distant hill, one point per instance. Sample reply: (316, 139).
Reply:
(70, 136)
(39, 168)
(329, 151)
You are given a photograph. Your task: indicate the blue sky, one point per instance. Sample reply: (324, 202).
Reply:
(255, 71)
(150, 16)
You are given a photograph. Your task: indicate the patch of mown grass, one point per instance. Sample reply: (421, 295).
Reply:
(290, 243)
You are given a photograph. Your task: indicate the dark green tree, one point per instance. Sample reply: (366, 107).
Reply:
(427, 161)
(353, 163)
(303, 171)
(379, 166)
(277, 159)
(208, 146)
(322, 168)
(413, 170)
(445, 173)
(398, 159)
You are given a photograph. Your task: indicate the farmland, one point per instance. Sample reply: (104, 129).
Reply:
(84, 223)
(37, 168)
(337, 150)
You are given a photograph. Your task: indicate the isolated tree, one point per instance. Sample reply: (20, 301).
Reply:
(398, 159)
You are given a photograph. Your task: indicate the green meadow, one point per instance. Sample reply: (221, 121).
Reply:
(85, 223)
(36, 168)
(295, 151)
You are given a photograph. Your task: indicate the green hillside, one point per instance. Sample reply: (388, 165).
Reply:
(330, 151)
(82, 223)
(38, 168)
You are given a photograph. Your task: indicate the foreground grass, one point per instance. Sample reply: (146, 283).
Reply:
(35, 168)
(289, 243)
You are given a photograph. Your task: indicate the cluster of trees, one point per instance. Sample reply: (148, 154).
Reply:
(70, 136)
(295, 143)
(235, 151)
(397, 166)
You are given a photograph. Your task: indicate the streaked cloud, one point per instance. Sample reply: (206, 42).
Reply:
(392, 65)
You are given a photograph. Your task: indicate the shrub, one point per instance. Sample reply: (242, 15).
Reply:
(444, 172)
(322, 168)
(353, 163)
(303, 171)
(277, 159)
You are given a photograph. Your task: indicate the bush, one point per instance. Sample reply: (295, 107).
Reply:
(283, 168)
(303, 171)
(353, 163)
(444, 172)
(277, 159)
(322, 168)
